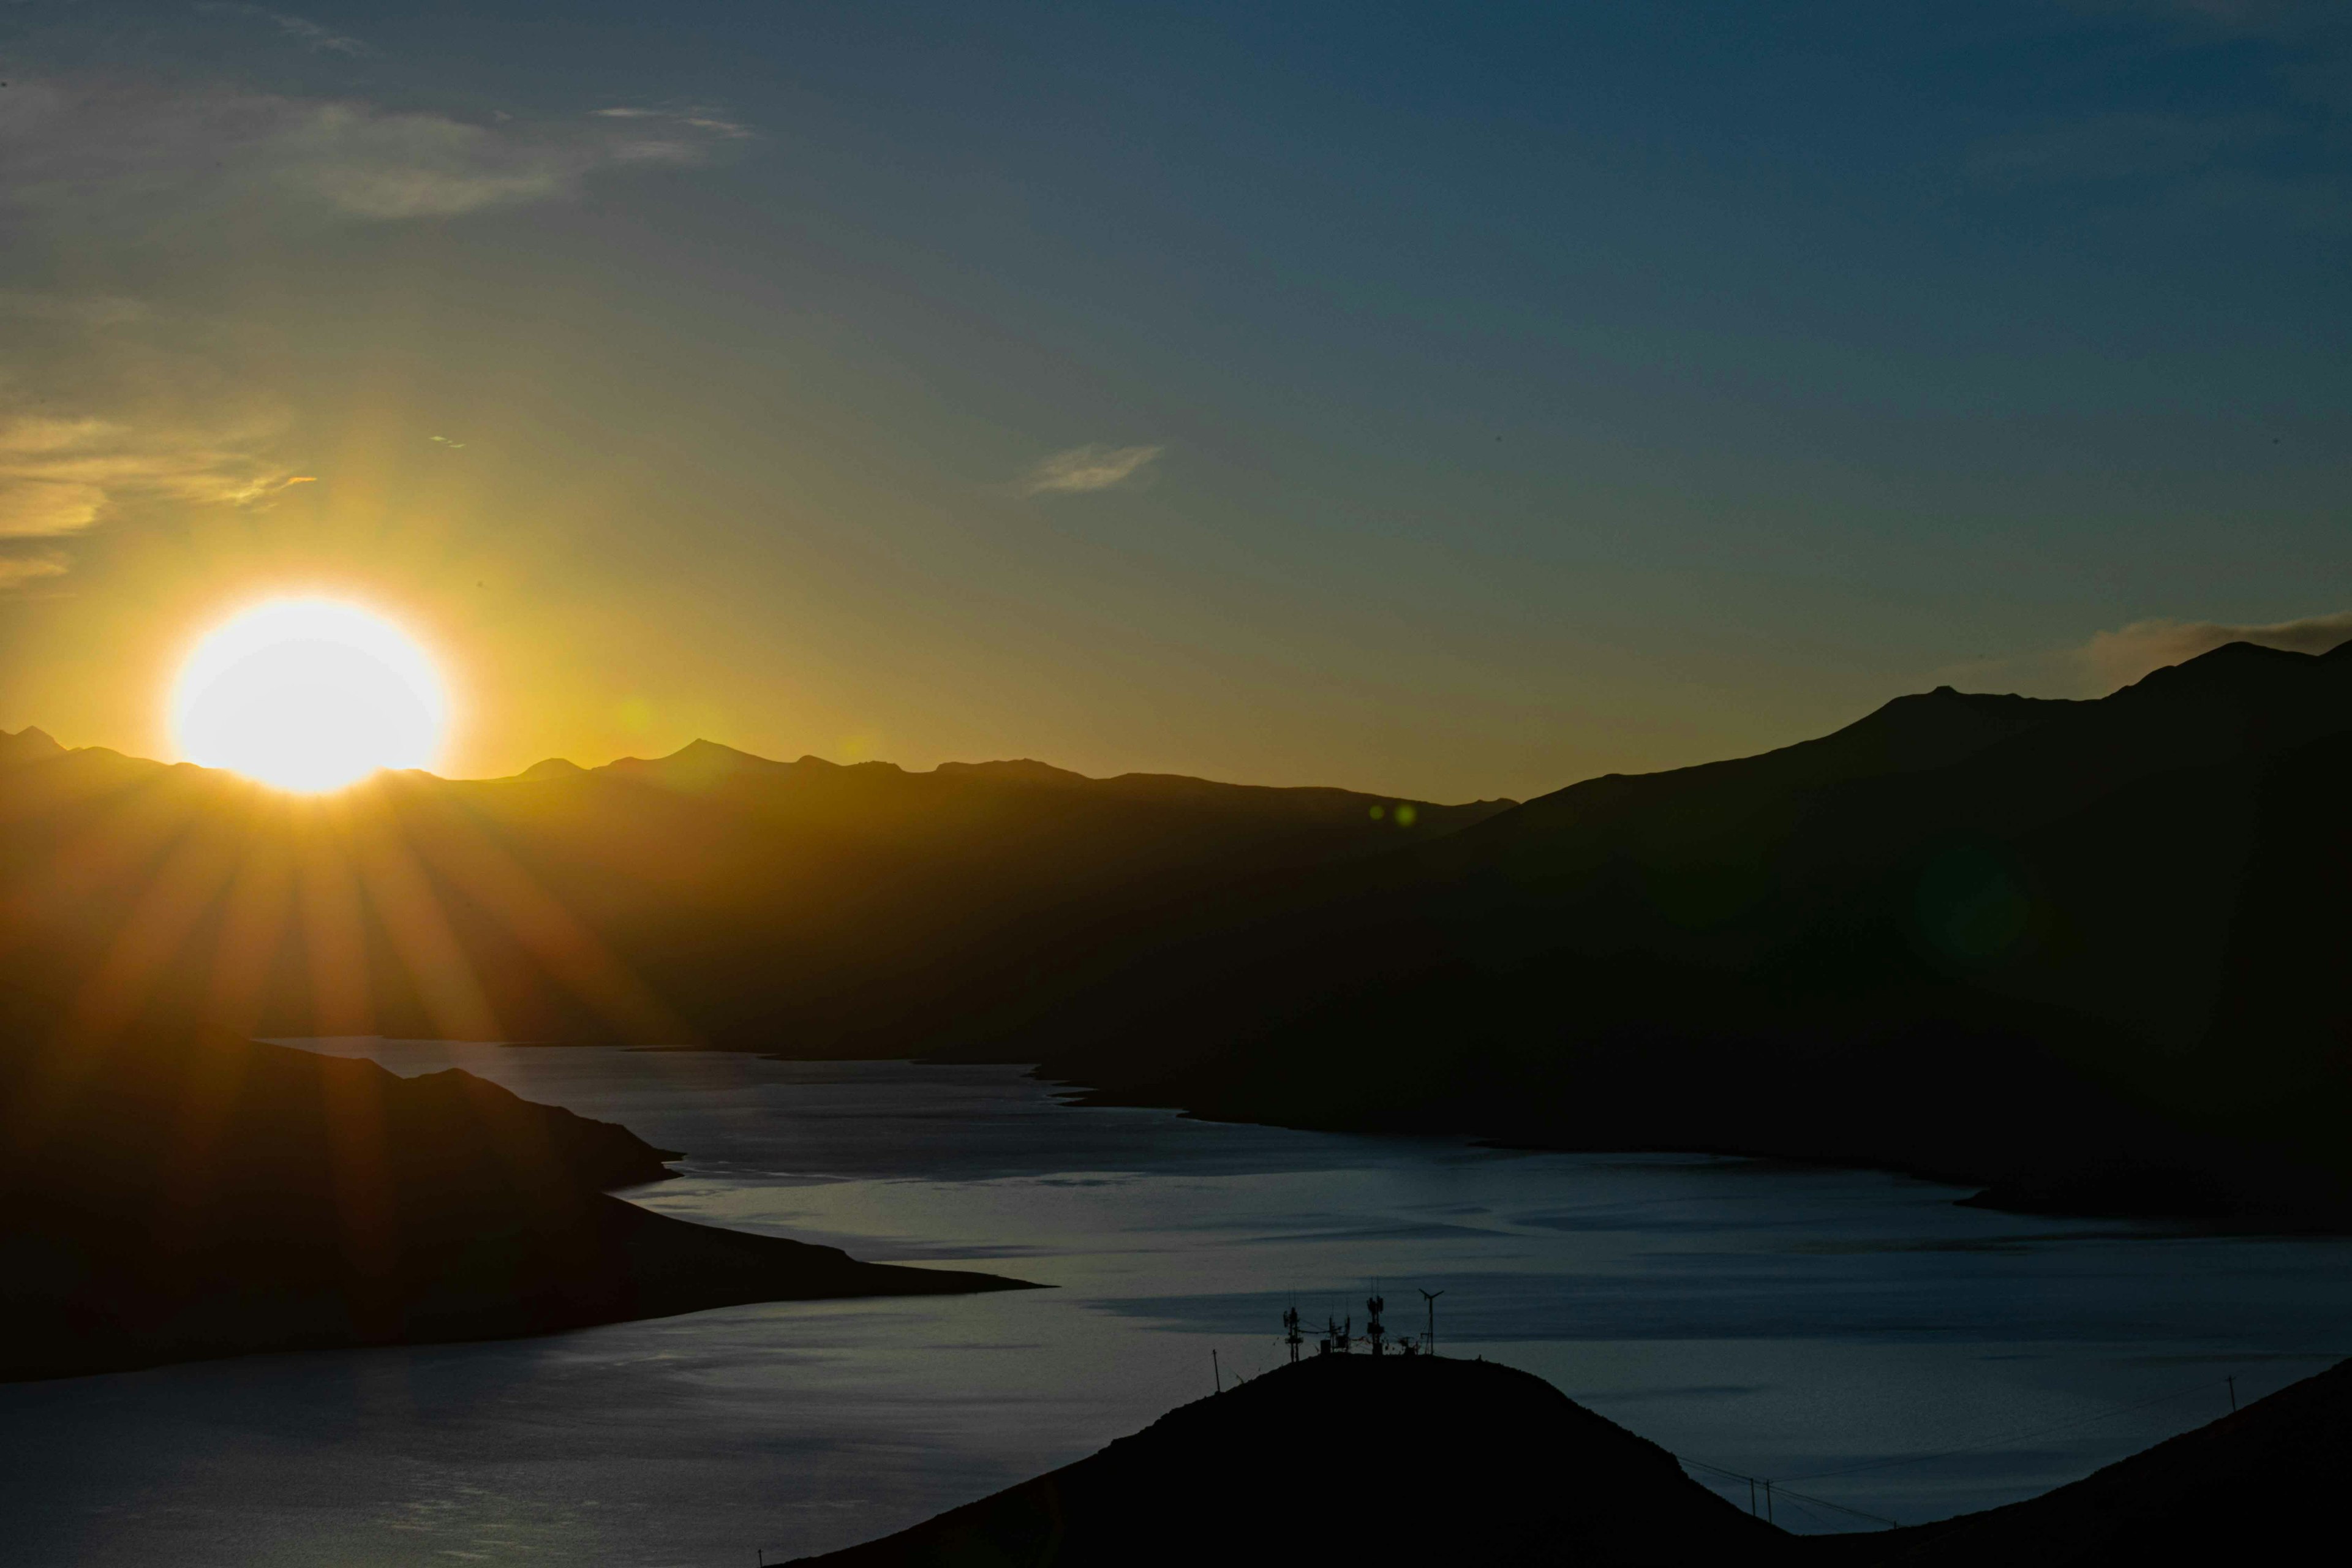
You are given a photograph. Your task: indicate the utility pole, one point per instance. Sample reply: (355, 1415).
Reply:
(1767, 1503)
(1216, 1372)
(2232, 1382)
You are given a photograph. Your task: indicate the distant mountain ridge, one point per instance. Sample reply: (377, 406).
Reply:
(2083, 953)
(709, 896)
(702, 763)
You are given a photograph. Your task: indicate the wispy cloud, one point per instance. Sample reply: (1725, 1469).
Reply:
(18, 570)
(79, 147)
(112, 405)
(2119, 657)
(2113, 659)
(1084, 469)
(58, 475)
(302, 29)
(104, 406)
(698, 117)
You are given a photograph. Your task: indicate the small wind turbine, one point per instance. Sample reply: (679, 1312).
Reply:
(1429, 1341)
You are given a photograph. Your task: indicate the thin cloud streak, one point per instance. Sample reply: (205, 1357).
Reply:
(2114, 660)
(2121, 656)
(76, 148)
(57, 476)
(16, 571)
(302, 29)
(108, 403)
(1086, 469)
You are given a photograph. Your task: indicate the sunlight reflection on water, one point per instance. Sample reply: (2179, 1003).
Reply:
(1774, 1319)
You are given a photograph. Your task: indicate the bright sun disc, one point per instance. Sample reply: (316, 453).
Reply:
(309, 695)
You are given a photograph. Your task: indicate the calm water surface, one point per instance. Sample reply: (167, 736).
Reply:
(1827, 1328)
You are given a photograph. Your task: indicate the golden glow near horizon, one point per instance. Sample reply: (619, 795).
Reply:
(309, 695)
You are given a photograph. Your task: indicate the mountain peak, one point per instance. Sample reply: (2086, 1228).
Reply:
(1018, 770)
(27, 745)
(551, 768)
(706, 751)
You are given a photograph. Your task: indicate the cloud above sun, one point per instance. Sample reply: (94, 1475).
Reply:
(109, 401)
(1083, 469)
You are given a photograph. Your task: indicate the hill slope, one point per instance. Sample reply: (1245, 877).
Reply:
(1352, 1459)
(170, 1201)
(2252, 1484)
(2078, 951)
(1349, 1459)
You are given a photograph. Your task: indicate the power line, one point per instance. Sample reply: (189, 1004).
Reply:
(2008, 1437)
(1779, 1490)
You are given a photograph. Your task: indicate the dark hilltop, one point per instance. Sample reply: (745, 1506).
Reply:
(1419, 1459)
(1352, 1459)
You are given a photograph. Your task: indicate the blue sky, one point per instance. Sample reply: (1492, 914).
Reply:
(1447, 400)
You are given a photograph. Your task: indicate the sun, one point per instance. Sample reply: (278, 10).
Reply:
(309, 695)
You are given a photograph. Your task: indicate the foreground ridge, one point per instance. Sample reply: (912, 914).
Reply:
(1418, 1458)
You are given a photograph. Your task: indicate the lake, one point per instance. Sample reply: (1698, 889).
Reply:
(1854, 1334)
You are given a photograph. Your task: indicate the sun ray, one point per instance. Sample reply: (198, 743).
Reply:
(403, 898)
(472, 861)
(334, 928)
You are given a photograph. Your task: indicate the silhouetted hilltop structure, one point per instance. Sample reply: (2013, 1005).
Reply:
(164, 1202)
(1456, 1461)
(2077, 950)
(1352, 1459)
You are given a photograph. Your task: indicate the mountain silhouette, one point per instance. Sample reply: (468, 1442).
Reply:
(2081, 954)
(707, 897)
(2078, 952)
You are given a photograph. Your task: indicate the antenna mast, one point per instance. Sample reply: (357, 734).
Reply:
(1429, 1340)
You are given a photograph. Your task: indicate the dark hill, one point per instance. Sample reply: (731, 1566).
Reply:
(166, 1201)
(2077, 950)
(1414, 1460)
(2247, 1488)
(1352, 1459)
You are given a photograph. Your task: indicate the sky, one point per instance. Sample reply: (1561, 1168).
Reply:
(1443, 401)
